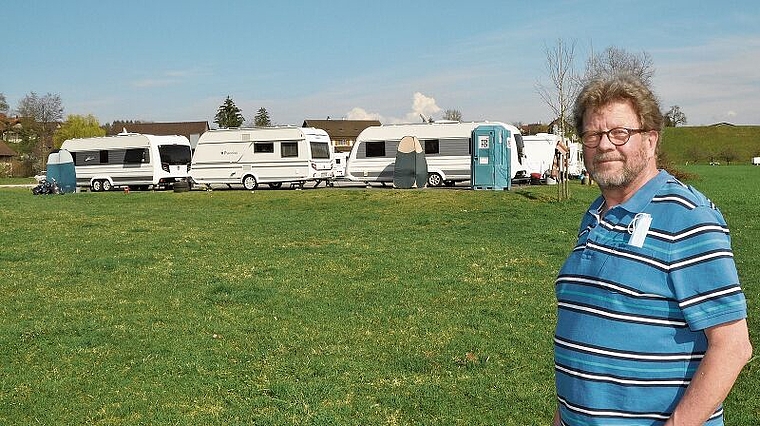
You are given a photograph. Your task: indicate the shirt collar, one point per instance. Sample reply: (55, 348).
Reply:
(640, 199)
(644, 195)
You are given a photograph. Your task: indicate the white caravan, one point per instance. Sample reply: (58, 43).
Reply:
(447, 148)
(539, 154)
(271, 155)
(129, 159)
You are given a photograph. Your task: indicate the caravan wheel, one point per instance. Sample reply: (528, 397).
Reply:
(249, 182)
(434, 179)
(106, 185)
(96, 186)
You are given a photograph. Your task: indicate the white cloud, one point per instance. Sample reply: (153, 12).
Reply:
(422, 106)
(362, 114)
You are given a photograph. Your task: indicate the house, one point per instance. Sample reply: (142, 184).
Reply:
(6, 159)
(342, 133)
(192, 130)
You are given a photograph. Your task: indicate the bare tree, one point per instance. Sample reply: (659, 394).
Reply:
(564, 86)
(614, 60)
(559, 97)
(452, 115)
(41, 116)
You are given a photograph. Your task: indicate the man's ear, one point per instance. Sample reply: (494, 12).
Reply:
(653, 139)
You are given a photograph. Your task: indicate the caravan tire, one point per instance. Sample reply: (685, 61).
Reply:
(434, 179)
(249, 182)
(96, 186)
(106, 185)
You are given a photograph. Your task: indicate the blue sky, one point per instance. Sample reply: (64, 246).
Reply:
(390, 60)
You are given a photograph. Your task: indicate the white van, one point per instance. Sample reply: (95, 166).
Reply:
(447, 145)
(129, 159)
(271, 155)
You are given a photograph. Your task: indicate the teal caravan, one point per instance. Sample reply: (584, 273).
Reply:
(496, 156)
(60, 167)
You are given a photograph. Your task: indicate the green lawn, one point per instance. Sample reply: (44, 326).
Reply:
(314, 307)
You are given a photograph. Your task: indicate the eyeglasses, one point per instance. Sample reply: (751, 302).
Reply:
(619, 136)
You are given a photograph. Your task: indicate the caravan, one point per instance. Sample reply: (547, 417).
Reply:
(129, 159)
(271, 155)
(446, 144)
(540, 154)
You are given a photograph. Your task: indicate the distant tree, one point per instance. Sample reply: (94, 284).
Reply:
(452, 115)
(229, 115)
(564, 86)
(674, 117)
(262, 118)
(614, 60)
(77, 126)
(728, 153)
(695, 153)
(40, 116)
(118, 126)
(3, 104)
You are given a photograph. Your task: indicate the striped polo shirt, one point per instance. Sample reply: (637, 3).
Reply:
(633, 299)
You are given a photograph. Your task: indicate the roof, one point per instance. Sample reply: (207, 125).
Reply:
(184, 128)
(6, 151)
(341, 129)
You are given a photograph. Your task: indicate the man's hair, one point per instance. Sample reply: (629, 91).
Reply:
(622, 87)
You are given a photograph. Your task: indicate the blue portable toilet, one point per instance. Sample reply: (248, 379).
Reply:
(60, 166)
(491, 156)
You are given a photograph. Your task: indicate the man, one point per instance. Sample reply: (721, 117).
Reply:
(651, 320)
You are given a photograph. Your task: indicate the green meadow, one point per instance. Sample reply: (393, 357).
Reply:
(314, 307)
(726, 144)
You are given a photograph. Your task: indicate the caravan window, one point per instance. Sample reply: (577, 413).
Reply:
(174, 154)
(135, 156)
(431, 146)
(103, 157)
(375, 149)
(320, 150)
(289, 149)
(263, 147)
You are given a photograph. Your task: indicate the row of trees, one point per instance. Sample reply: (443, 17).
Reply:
(38, 126)
(39, 117)
(229, 115)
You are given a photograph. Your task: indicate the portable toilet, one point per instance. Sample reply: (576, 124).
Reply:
(60, 166)
(410, 169)
(490, 168)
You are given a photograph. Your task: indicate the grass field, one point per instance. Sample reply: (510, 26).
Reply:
(315, 307)
(702, 144)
